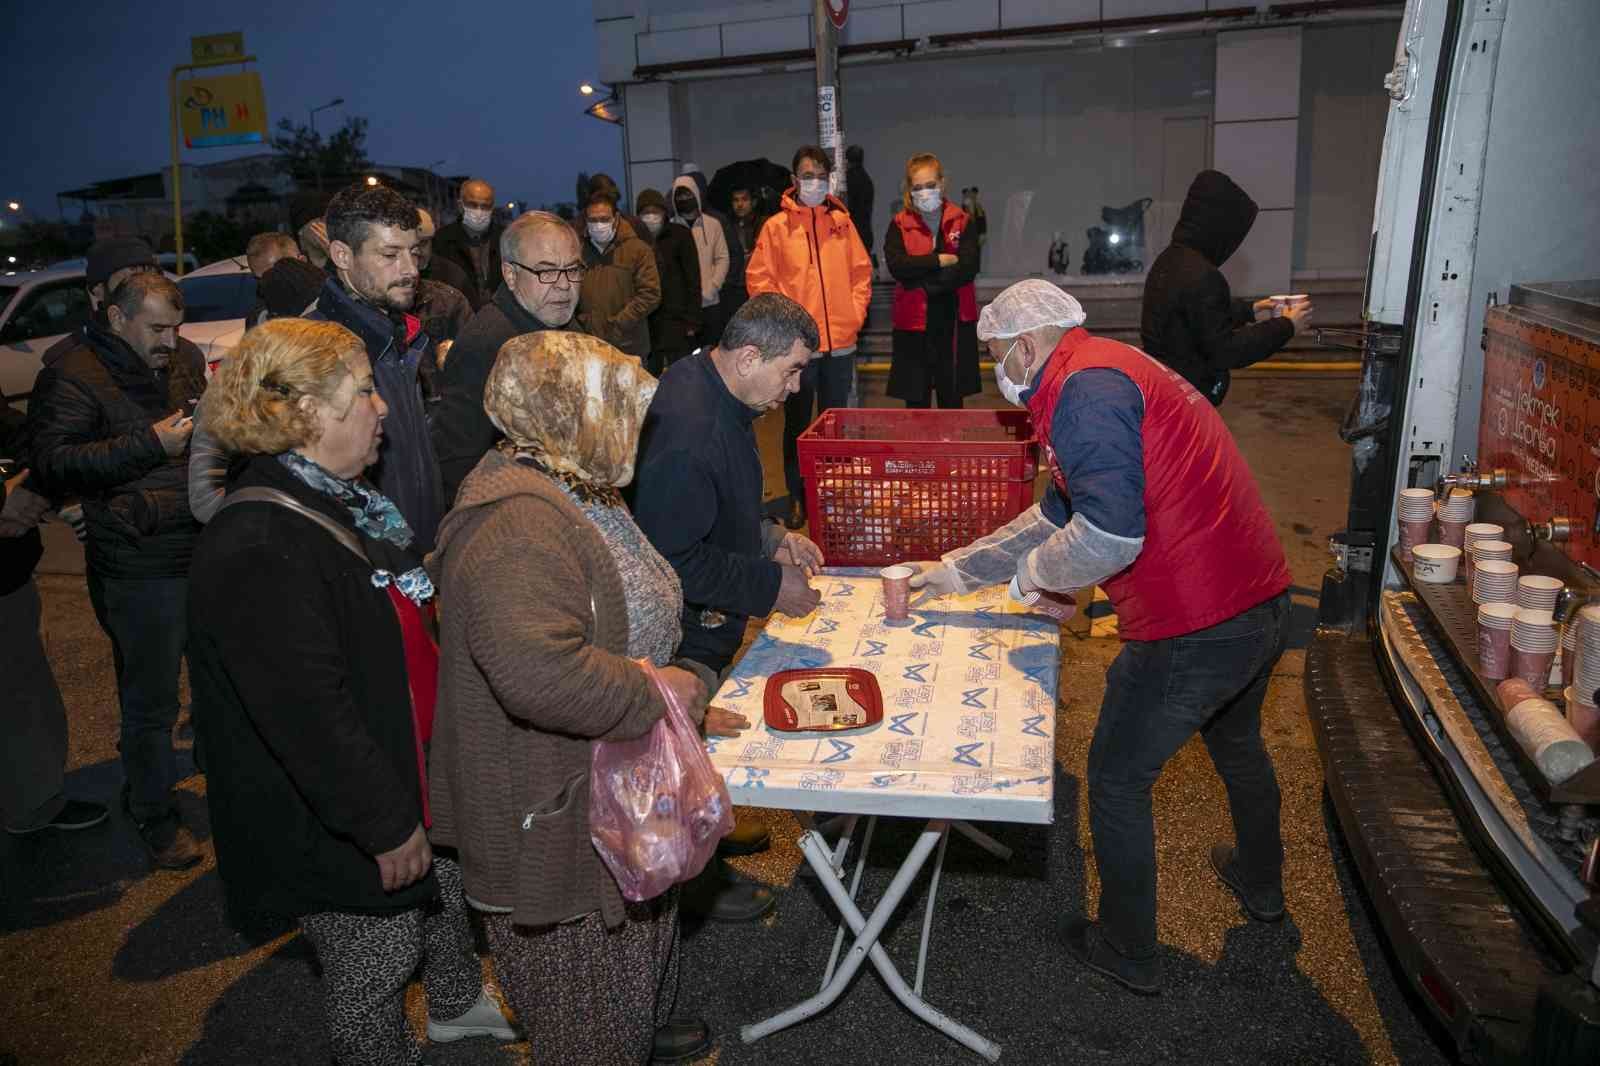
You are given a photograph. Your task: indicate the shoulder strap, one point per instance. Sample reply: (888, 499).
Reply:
(261, 494)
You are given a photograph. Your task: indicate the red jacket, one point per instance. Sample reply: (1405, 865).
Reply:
(911, 305)
(1210, 548)
(814, 256)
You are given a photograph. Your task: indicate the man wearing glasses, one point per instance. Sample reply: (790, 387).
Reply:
(541, 270)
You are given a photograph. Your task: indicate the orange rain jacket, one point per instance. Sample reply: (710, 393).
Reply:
(814, 256)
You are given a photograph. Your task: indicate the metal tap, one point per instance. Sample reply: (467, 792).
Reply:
(1557, 531)
(1471, 478)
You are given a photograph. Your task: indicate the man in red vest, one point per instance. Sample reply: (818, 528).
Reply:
(1151, 500)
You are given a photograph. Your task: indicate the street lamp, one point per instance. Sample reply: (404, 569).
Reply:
(371, 179)
(586, 89)
(13, 205)
(335, 102)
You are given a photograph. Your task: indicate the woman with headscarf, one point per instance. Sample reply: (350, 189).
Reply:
(313, 673)
(552, 592)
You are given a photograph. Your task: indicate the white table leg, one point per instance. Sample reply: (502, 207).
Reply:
(927, 914)
(983, 840)
(867, 931)
(855, 884)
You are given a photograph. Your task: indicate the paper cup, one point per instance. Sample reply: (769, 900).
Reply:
(1494, 581)
(1435, 563)
(1416, 504)
(1533, 667)
(1452, 533)
(1494, 652)
(1459, 506)
(896, 592)
(1584, 718)
(1476, 533)
(1538, 592)
(1283, 301)
(1413, 534)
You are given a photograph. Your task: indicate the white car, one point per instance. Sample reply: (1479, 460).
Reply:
(38, 308)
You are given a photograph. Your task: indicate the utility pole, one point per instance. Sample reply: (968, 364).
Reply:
(827, 16)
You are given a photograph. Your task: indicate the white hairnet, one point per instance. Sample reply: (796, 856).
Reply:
(1026, 306)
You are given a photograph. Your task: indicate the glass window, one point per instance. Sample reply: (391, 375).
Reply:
(218, 298)
(47, 311)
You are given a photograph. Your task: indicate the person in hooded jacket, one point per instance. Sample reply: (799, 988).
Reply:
(1191, 321)
(933, 255)
(711, 245)
(733, 293)
(678, 321)
(810, 252)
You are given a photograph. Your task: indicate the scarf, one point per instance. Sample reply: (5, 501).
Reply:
(374, 514)
(581, 487)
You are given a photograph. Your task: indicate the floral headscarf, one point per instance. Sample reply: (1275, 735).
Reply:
(572, 405)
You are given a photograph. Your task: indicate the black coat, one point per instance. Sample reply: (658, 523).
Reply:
(1190, 320)
(858, 194)
(407, 471)
(18, 555)
(914, 366)
(90, 421)
(302, 706)
(446, 272)
(678, 263)
(462, 432)
(697, 496)
(454, 243)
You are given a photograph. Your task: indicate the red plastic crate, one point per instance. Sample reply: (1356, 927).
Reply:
(887, 486)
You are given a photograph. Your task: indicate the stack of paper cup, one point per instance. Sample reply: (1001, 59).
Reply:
(1494, 639)
(1485, 551)
(1494, 581)
(1581, 710)
(1455, 514)
(1538, 593)
(1476, 532)
(1569, 652)
(1416, 519)
(1533, 647)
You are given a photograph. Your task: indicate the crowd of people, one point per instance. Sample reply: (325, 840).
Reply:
(415, 533)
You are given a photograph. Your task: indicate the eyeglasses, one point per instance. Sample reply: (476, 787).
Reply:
(547, 276)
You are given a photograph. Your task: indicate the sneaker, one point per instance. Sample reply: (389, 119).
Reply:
(1262, 905)
(73, 815)
(680, 1039)
(484, 1018)
(1089, 946)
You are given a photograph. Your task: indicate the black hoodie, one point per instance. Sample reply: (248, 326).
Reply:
(1191, 321)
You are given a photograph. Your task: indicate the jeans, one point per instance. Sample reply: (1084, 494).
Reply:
(34, 754)
(148, 623)
(830, 381)
(1159, 694)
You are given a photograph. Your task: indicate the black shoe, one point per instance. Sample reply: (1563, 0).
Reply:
(1263, 906)
(171, 845)
(720, 897)
(797, 512)
(681, 1038)
(1086, 944)
(748, 837)
(73, 815)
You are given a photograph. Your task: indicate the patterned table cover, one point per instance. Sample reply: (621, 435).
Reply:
(969, 694)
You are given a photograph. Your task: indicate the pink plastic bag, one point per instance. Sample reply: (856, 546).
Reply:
(657, 807)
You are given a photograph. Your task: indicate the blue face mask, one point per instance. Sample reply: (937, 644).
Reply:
(1011, 390)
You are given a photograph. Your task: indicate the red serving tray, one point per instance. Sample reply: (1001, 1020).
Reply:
(860, 686)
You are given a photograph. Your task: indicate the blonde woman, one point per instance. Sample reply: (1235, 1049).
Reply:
(313, 676)
(933, 254)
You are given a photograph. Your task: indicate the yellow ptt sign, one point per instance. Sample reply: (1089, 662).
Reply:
(221, 110)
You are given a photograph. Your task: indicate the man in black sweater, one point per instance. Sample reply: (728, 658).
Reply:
(541, 271)
(1191, 321)
(697, 496)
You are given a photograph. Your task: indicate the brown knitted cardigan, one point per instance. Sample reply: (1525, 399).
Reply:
(533, 670)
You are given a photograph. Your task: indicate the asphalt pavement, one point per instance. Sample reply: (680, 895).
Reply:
(104, 961)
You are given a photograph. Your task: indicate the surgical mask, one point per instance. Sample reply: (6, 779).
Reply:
(927, 200)
(687, 206)
(476, 219)
(1011, 390)
(813, 191)
(602, 232)
(653, 223)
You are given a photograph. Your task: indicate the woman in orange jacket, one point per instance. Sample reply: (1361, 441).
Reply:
(810, 252)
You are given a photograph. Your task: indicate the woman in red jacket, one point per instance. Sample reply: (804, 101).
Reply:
(933, 257)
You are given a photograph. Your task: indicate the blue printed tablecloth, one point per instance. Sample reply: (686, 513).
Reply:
(969, 694)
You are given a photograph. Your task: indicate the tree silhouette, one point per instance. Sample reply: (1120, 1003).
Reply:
(342, 155)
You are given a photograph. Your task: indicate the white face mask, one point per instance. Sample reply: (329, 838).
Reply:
(653, 223)
(1011, 390)
(927, 200)
(602, 232)
(476, 219)
(813, 191)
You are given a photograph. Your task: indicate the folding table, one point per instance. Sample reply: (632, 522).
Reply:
(969, 691)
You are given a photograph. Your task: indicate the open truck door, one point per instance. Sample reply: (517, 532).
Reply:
(1480, 371)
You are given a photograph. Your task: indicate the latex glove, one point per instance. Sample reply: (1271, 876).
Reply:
(800, 551)
(935, 579)
(1058, 605)
(72, 515)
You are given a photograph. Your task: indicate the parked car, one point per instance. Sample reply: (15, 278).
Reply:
(40, 307)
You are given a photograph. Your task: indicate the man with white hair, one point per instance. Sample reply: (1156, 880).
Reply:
(1151, 500)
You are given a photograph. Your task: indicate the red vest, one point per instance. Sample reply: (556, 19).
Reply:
(1210, 548)
(911, 305)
